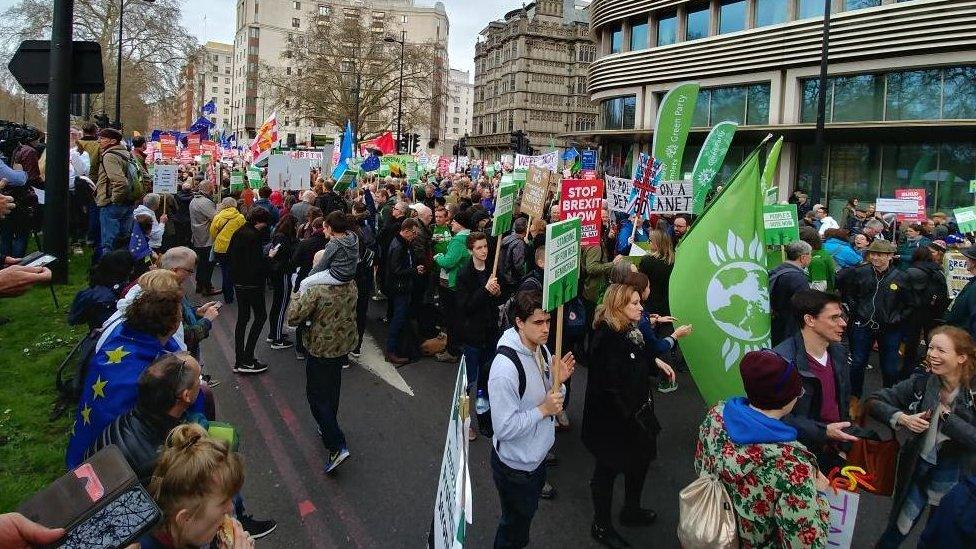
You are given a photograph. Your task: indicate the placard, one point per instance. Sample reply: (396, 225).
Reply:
(254, 177)
(673, 197)
(535, 193)
(453, 503)
(285, 173)
(897, 205)
(549, 160)
(918, 195)
(236, 181)
(193, 144)
(965, 218)
(957, 276)
(165, 179)
(619, 191)
(504, 210)
(583, 199)
(519, 176)
(781, 224)
(843, 516)
(588, 160)
(167, 147)
(560, 280)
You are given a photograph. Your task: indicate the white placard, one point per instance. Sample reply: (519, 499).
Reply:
(673, 197)
(843, 516)
(285, 173)
(164, 179)
(618, 194)
(549, 161)
(452, 506)
(897, 205)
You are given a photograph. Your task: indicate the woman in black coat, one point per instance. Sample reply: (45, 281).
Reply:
(619, 425)
(283, 243)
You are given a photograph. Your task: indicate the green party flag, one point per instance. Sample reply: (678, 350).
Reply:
(769, 173)
(719, 285)
(504, 210)
(560, 281)
(710, 160)
(671, 130)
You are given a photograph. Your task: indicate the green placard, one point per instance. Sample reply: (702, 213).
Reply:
(507, 179)
(781, 224)
(520, 176)
(966, 219)
(504, 210)
(236, 181)
(561, 279)
(345, 180)
(254, 179)
(412, 175)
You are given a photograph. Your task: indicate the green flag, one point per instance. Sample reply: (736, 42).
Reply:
(769, 172)
(560, 280)
(671, 130)
(710, 160)
(719, 285)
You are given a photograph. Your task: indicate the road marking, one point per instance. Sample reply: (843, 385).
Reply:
(372, 360)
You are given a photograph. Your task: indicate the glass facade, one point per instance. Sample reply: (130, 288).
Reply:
(698, 22)
(619, 113)
(927, 94)
(667, 29)
(869, 170)
(638, 36)
(732, 16)
(809, 8)
(748, 105)
(771, 12)
(858, 4)
(617, 159)
(616, 39)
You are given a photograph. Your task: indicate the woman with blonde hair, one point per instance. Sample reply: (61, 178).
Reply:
(194, 484)
(936, 412)
(619, 424)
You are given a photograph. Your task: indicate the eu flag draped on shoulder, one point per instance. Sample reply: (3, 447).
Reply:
(720, 286)
(111, 384)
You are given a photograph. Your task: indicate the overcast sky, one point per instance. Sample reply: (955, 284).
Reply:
(467, 18)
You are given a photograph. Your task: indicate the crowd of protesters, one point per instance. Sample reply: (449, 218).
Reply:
(427, 250)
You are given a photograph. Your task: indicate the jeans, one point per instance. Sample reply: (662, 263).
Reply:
(248, 300)
(518, 492)
(477, 361)
(95, 230)
(115, 221)
(601, 486)
(13, 241)
(280, 295)
(225, 280)
(889, 338)
(323, 380)
(398, 320)
(204, 268)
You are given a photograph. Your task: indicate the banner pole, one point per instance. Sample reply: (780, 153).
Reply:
(782, 251)
(528, 226)
(498, 251)
(557, 357)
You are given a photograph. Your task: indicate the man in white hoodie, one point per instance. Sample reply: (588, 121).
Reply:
(523, 409)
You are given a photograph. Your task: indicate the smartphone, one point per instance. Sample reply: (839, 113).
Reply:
(37, 259)
(218, 304)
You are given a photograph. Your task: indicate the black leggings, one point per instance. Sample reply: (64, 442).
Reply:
(280, 296)
(601, 486)
(248, 300)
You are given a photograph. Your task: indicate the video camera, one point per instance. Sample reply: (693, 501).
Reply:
(12, 135)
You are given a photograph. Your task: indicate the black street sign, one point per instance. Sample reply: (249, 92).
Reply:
(30, 65)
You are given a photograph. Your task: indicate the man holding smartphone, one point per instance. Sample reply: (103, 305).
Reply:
(17, 279)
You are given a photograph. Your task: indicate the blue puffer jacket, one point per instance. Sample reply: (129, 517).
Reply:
(843, 253)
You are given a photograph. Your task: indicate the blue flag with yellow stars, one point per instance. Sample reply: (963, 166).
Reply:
(111, 385)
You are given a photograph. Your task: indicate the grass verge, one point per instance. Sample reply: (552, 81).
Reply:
(32, 345)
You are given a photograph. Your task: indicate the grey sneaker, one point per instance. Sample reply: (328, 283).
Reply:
(446, 357)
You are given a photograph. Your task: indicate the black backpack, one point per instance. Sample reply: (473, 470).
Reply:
(70, 376)
(484, 420)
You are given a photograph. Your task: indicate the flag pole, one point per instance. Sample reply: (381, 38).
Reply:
(557, 357)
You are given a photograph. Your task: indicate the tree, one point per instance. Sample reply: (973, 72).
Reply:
(342, 62)
(154, 47)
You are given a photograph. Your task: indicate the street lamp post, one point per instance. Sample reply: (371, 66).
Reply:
(818, 148)
(118, 69)
(401, 41)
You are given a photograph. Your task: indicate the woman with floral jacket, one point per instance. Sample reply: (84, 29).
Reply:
(770, 477)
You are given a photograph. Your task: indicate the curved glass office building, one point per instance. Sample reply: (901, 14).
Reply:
(901, 93)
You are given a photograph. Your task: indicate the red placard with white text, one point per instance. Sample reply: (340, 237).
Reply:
(167, 146)
(918, 195)
(210, 147)
(193, 144)
(583, 198)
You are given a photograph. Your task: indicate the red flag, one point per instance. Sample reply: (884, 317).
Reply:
(385, 143)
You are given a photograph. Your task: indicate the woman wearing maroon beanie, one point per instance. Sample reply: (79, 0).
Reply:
(771, 478)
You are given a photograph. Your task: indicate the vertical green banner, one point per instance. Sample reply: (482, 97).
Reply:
(710, 160)
(671, 131)
(504, 210)
(561, 277)
(769, 172)
(781, 224)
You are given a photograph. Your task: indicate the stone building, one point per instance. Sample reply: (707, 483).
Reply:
(531, 71)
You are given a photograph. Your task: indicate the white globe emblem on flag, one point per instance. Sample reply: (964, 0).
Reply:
(737, 296)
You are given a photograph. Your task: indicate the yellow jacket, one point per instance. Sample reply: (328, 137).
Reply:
(223, 226)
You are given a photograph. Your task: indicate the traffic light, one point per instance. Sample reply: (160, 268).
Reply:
(402, 144)
(515, 141)
(463, 146)
(416, 142)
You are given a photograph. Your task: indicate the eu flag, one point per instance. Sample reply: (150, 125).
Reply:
(111, 385)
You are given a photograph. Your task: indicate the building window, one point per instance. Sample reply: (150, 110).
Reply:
(748, 105)
(667, 29)
(698, 22)
(214, 89)
(914, 95)
(771, 12)
(809, 8)
(619, 113)
(732, 16)
(324, 10)
(616, 39)
(638, 35)
(858, 4)
(959, 93)
(215, 79)
(297, 5)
